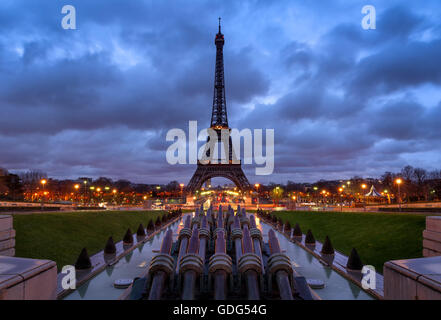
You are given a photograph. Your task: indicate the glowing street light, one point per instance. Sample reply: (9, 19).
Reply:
(77, 186)
(43, 182)
(341, 197)
(399, 182)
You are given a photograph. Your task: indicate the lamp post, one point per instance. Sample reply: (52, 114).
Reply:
(399, 182)
(77, 186)
(85, 191)
(341, 198)
(114, 191)
(363, 187)
(257, 185)
(43, 182)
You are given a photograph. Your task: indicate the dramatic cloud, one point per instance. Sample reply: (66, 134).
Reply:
(99, 100)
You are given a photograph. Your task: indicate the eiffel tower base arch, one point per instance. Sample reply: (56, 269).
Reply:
(231, 172)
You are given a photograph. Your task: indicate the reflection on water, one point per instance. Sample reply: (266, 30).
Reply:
(137, 262)
(132, 265)
(336, 286)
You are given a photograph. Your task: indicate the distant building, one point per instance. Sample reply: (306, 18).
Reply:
(3, 172)
(89, 180)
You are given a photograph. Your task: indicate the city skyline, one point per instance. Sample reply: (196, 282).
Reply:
(98, 101)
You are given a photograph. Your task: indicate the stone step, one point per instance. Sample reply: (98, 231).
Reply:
(7, 244)
(433, 223)
(8, 252)
(432, 245)
(7, 234)
(430, 253)
(429, 235)
(5, 223)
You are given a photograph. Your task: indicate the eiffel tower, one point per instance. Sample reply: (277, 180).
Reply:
(219, 121)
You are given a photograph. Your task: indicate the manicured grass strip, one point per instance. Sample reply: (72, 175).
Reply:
(378, 237)
(60, 236)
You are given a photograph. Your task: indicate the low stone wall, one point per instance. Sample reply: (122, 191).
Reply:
(413, 279)
(7, 236)
(27, 279)
(22, 278)
(432, 237)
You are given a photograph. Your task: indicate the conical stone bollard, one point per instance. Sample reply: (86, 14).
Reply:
(128, 237)
(83, 261)
(110, 246)
(327, 247)
(297, 231)
(297, 234)
(354, 261)
(309, 239)
(140, 232)
(287, 227)
(150, 226)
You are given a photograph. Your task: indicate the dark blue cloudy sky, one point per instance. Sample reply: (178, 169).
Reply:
(99, 100)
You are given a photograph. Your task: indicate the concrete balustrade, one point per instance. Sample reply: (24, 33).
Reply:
(432, 237)
(7, 236)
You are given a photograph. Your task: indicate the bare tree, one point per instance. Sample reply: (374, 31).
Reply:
(420, 177)
(407, 173)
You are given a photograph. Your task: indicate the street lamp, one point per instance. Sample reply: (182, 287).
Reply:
(341, 198)
(257, 185)
(399, 182)
(85, 191)
(76, 187)
(43, 182)
(363, 186)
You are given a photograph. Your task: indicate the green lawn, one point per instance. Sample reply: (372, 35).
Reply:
(378, 237)
(60, 236)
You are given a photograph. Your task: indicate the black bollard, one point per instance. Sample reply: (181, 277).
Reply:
(354, 261)
(297, 231)
(83, 261)
(327, 247)
(287, 228)
(150, 226)
(110, 246)
(140, 232)
(128, 237)
(309, 239)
